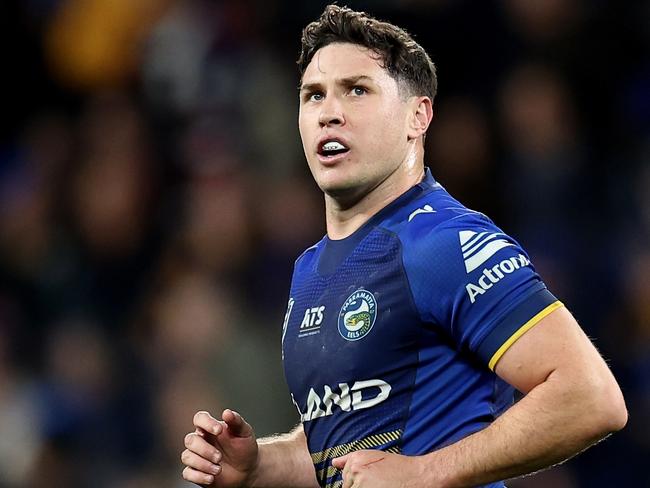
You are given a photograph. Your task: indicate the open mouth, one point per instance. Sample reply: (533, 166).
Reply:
(332, 148)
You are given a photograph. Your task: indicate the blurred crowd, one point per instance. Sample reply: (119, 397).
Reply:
(154, 195)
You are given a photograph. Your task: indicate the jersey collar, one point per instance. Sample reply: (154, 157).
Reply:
(335, 251)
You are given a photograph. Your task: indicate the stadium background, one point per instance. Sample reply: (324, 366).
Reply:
(153, 197)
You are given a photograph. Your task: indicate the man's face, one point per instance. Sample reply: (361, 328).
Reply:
(353, 122)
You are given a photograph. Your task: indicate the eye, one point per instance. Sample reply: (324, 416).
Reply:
(359, 90)
(314, 97)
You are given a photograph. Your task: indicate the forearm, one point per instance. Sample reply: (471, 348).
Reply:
(550, 424)
(284, 462)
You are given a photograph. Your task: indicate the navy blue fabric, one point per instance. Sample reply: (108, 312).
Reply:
(389, 332)
(530, 307)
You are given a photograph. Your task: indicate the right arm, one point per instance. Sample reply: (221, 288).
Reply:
(225, 454)
(284, 461)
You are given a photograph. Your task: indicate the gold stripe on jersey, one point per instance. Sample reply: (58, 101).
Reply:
(366, 443)
(521, 331)
(336, 484)
(326, 473)
(332, 471)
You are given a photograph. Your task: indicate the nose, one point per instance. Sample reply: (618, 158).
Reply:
(331, 113)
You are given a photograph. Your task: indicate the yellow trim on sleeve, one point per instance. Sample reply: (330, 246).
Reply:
(521, 331)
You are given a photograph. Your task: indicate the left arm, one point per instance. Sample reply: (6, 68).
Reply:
(572, 401)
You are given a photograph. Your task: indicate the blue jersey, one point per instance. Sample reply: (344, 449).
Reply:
(392, 334)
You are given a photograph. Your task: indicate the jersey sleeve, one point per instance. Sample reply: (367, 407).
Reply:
(475, 282)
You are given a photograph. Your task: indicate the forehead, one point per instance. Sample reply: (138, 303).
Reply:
(344, 60)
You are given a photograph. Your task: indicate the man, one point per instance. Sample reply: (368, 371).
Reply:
(410, 323)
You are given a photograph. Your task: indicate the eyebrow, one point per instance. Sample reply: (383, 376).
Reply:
(348, 81)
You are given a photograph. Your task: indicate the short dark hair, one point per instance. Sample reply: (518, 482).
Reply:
(404, 59)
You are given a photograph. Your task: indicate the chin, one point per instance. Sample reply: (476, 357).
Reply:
(339, 181)
(330, 183)
(344, 191)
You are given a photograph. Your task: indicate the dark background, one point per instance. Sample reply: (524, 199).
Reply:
(154, 195)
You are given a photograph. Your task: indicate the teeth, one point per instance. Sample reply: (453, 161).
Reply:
(333, 146)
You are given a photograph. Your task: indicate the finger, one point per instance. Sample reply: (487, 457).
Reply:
(197, 477)
(196, 462)
(347, 475)
(201, 447)
(339, 462)
(207, 422)
(348, 481)
(237, 426)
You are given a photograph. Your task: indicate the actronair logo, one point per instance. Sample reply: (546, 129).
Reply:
(491, 277)
(479, 247)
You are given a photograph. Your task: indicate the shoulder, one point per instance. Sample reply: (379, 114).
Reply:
(306, 258)
(436, 219)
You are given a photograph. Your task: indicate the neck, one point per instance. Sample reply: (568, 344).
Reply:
(344, 218)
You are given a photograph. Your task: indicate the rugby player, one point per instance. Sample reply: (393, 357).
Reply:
(413, 320)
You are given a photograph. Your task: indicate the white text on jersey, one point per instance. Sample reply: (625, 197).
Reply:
(347, 399)
(313, 317)
(492, 276)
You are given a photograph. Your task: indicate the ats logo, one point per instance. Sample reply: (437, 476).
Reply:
(311, 321)
(357, 315)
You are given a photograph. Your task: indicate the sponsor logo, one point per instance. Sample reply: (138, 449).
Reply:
(362, 394)
(479, 247)
(311, 321)
(492, 276)
(423, 210)
(357, 315)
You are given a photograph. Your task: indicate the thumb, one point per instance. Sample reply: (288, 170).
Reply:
(237, 426)
(339, 462)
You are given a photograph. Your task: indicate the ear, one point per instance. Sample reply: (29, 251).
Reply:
(420, 116)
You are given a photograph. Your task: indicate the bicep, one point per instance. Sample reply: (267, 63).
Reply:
(555, 343)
